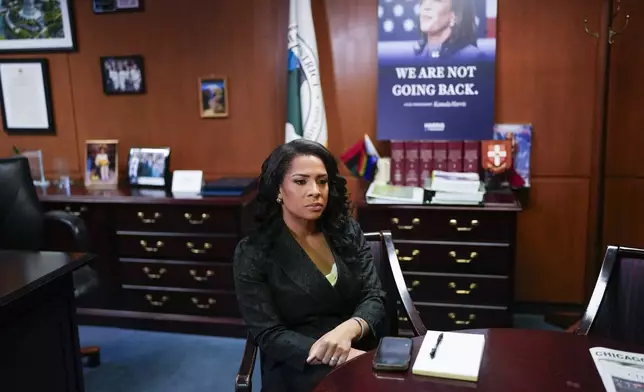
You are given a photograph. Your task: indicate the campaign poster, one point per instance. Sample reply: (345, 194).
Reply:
(436, 69)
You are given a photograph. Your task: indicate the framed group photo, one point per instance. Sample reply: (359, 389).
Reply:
(111, 6)
(101, 164)
(25, 83)
(36, 26)
(213, 97)
(148, 167)
(123, 75)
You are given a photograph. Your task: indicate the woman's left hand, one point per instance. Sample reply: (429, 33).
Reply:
(333, 348)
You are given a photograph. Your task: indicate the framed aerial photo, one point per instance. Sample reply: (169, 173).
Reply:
(36, 26)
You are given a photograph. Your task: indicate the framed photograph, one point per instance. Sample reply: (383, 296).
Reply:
(36, 26)
(111, 6)
(149, 167)
(101, 164)
(213, 97)
(123, 75)
(25, 97)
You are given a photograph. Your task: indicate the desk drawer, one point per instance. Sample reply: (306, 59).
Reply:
(458, 289)
(178, 247)
(184, 274)
(455, 258)
(440, 225)
(449, 318)
(178, 219)
(191, 302)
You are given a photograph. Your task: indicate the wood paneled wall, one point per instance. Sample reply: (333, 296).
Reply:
(546, 75)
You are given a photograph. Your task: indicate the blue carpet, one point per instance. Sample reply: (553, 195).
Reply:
(143, 361)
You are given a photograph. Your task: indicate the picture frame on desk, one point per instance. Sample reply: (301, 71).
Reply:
(149, 167)
(38, 28)
(26, 83)
(101, 164)
(213, 97)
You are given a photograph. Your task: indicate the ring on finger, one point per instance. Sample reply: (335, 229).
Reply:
(334, 359)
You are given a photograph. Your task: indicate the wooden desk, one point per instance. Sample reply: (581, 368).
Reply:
(458, 262)
(39, 349)
(514, 360)
(164, 263)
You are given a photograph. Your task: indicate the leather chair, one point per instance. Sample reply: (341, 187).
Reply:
(25, 226)
(616, 307)
(391, 276)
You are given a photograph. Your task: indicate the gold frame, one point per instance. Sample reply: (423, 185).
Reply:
(97, 184)
(215, 78)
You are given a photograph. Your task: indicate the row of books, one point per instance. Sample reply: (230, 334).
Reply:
(412, 162)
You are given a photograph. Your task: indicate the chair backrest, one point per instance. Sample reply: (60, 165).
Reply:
(616, 307)
(21, 214)
(391, 276)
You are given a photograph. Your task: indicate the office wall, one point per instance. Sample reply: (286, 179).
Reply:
(546, 75)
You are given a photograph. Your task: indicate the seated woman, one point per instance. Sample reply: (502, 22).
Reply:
(305, 279)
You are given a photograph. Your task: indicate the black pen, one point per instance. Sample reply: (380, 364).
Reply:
(438, 341)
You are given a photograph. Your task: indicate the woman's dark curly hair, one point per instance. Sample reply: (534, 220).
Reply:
(463, 32)
(268, 216)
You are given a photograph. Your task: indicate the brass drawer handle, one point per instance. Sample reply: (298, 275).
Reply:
(473, 255)
(470, 318)
(414, 253)
(68, 209)
(473, 224)
(145, 220)
(204, 217)
(144, 245)
(150, 275)
(209, 273)
(471, 287)
(414, 284)
(403, 318)
(191, 246)
(414, 222)
(211, 301)
(152, 302)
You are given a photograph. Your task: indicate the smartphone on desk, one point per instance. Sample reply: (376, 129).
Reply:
(393, 354)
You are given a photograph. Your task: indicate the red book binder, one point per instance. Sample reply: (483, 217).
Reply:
(471, 151)
(440, 155)
(412, 164)
(426, 152)
(455, 156)
(397, 163)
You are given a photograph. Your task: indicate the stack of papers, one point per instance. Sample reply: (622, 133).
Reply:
(453, 188)
(457, 357)
(394, 194)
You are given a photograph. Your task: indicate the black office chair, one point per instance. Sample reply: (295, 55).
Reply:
(25, 226)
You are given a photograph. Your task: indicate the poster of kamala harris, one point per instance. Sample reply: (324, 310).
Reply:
(436, 72)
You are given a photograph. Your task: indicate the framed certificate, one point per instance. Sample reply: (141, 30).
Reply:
(25, 97)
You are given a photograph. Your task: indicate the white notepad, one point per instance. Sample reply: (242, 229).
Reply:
(458, 356)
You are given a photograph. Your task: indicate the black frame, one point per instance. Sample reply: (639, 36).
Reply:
(140, 8)
(166, 172)
(73, 37)
(51, 130)
(138, 58)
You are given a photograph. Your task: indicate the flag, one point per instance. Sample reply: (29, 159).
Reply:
(305, 116)
(361, 159)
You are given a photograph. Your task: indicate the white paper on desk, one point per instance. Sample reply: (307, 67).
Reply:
(187, 182)
(620, 371)
(23, 92)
